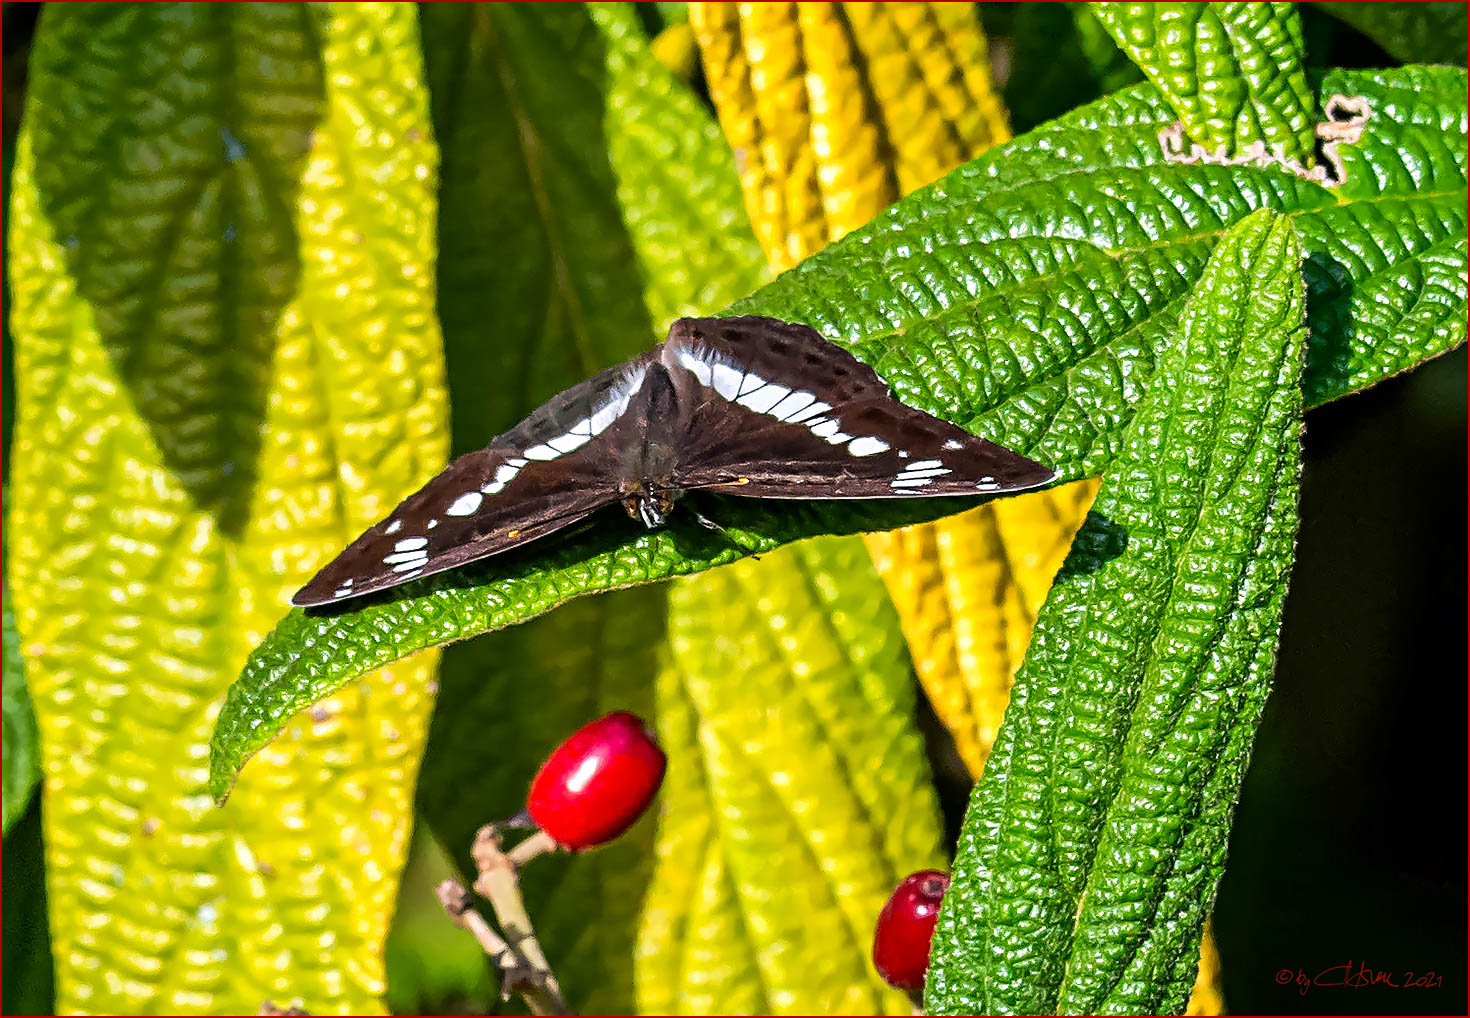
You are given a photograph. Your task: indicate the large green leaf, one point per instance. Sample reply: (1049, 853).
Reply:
(1026, 297)
(1234, 72)
(227, 363)
(802, 797)
(616, 191)
(1095, 839)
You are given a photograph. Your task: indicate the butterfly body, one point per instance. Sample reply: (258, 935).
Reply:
(751, 407)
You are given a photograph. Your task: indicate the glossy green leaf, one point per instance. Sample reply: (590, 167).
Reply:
(616, 191)
(1233, 72)
(227, 363)
(1430, 33)
(803, 797)
(22, 757)
(1096, 837)
(1026, 297)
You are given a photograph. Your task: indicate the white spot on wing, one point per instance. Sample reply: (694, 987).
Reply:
(765, 398)
(393, 527)
(411, 544)
(726, 380)
(603, 418)
(818, 407)
(750, 383)
(517, 462)
(793, 404)
(432, 524)
(838, 438)
(867, 446)
(542, 452)
(909, 482)
(617, 402)
(825, 429)
(465, 504)
(411, 568)
(923, 464)
(569, 442)
(954, 443)
(696, 366)
(406, 556)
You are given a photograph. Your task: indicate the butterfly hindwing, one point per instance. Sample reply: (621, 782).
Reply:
(547, 472)
(776, 411)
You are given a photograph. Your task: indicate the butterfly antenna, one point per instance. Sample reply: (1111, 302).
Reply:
(709, 524)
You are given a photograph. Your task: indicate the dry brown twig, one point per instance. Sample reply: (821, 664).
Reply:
(517, 955)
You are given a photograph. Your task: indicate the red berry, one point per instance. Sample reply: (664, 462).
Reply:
(905, 927)
(598, 782)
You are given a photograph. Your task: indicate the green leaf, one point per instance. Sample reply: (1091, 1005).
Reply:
(1430, 33)
(677, 183)
(1233, 72)
(190, 334)
(614, 187)
(803, 796)
(1025, 297)
(1096, 837)
(673, 13)
(22, 757)
(227, 364)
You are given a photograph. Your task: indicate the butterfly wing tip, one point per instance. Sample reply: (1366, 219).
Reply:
(312, 595)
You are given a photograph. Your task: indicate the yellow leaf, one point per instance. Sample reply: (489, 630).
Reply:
(1208, 996)
(676, 49)
(836, 110)
(139, 594)
(929, 73)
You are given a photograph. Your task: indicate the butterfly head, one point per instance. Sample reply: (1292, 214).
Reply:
(651, 507)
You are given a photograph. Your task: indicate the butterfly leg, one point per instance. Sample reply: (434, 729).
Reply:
(709, 524)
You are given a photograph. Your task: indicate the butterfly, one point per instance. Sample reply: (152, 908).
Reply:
(745, 406)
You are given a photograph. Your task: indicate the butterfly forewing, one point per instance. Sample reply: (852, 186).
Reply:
(776, 411)
(547, 472)
(744, 406)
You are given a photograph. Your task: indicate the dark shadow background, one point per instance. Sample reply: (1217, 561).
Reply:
(1349, 841)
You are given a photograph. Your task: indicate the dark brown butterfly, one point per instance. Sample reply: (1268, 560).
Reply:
(747, 406)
